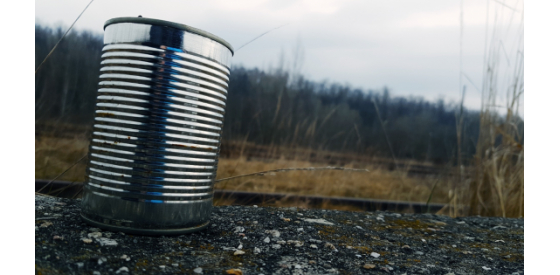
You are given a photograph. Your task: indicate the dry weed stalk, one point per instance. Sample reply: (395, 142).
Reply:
(497, 188)
(262, 173)
(67, 31)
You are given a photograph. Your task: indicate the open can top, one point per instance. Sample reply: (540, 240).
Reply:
(158, 22)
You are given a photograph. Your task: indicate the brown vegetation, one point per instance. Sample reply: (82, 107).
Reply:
(54, 155)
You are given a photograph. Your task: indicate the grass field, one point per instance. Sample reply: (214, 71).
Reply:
(54, 155)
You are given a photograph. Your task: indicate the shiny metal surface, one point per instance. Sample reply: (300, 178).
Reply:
(156, 136)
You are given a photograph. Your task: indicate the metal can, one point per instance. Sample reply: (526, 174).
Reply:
(156, 136)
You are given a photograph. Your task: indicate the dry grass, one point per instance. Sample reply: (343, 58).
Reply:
(498, 186)
(375, 184)
(54, 155)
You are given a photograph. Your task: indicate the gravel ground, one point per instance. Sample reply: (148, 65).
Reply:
(266, 240)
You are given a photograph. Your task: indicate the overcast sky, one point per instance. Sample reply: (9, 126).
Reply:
(412, 47)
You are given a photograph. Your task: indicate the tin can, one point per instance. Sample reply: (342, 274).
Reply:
(156, 136)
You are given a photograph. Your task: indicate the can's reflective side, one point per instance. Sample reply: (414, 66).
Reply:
(156, 136)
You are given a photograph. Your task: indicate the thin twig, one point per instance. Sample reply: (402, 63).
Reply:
(430, 197)
(259, 36)
(262, 173)
(385, 132)
(62, 37)
(471, 82)
(504, 4)
(74, 164)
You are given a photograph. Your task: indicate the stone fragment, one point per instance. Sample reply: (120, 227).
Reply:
(486, 268)
(274, 233)
(437, 222)
(107, 242)
(239, 229)
(313, 246)
(86, 240)
(266, 240)
(319, 221)
(295, 243)
(122, 269)
(234, 272)
(238, 252)
(375, 255)
(499, 227)
(46, 224)
(369, 266)
(256, 250)
(94, 235)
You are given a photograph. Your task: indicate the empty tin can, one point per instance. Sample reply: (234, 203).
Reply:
(158, 121)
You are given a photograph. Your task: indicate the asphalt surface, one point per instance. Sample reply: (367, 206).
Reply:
(266, 240)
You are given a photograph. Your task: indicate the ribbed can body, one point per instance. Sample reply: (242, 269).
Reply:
(156, 136)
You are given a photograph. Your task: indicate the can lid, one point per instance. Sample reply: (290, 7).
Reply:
(151, 21)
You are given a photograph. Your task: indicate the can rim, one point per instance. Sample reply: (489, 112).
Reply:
(158, 22)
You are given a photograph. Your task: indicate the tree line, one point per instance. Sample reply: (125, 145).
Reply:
(270, 107)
